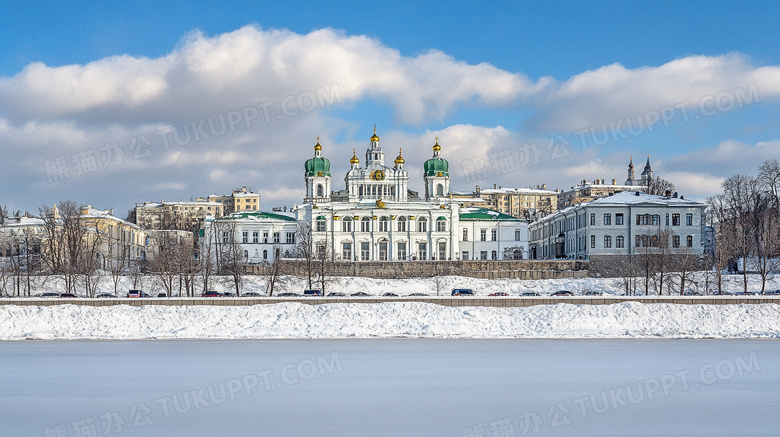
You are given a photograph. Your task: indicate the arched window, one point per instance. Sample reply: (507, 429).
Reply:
(346, 224)
(402, 224)
(383, 224)
(441, 224)
(365, 224)
(265, 255)
(422, 224)
(320, 191)
(654, 241)
(619, 242)
(689, 241)
(494, 255)
(321, 224)
(439, 190)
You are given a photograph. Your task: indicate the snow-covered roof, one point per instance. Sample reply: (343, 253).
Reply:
(531, 191)
(23, 221)
(638, 197)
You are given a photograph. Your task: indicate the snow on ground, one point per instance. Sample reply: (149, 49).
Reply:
(397, 319)
(432, 286)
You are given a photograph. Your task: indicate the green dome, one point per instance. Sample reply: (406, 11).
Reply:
(317, 166)
(434, 166)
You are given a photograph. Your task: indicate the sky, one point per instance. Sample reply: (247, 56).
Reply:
(112, 103)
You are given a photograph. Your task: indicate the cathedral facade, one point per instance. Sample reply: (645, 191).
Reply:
(378, 218)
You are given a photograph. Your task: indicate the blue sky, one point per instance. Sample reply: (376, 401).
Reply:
(486, 77)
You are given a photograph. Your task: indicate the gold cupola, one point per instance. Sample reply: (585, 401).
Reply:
(400, 159)
(374, 138)
(354, 159)
(318, 147)
(436, 147)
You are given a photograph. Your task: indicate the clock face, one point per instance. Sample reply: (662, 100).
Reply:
(377, 175)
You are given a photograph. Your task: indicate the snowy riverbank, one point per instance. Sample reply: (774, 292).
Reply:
(402, 319)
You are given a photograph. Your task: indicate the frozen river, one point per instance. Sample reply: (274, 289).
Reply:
(390, 387)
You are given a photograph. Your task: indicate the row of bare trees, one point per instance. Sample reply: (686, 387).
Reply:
(746, 219)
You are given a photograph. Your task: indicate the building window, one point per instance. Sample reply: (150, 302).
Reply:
(422, 251)
(383, 251)
(593, 219)
(607, 219)
(402, 224)
(465, 234)
(688, 219)
(320, 190)
(277, 237)
(607, 242)
(638, 241)
(365, 253)
(265, 255)
(675, 219)
(225, 237)
(483, 255)
(483, 235)
(493, 234)
(494, 255)
(401, 251)
(346, 224)
(365, 224)
(346, 251)
(689, 241)
(440, 190)
(265, 236)
(382, 224)
(245, 237)
(676, 241)
(619, 242)
(618, 219)
(441, 224)
(464, 255)
(422, 224)
(517, 234)
(321, 225)
(442, 251)
(255, 237)
(592, 241)
(291, 238)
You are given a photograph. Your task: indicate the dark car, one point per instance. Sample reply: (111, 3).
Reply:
(47, 295)
(772, 292)
(463, 292)
(418, 294)
(162, 295)
(360, 294)
(212, 293)
(388, 294)
(312, 293)
(136, 293)
(287, 295)
(563, 293)
(106, 295)
(252, 294)
(530, 293)
(593, 293)
(68, 295)
(336, 294)
(498, 294)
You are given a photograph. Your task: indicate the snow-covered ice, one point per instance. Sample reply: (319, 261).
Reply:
(392, 319)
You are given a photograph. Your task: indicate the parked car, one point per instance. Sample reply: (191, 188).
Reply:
(529, 293)
(418, 294)
(463, 292)
(388, 294)
(335, 294)
(498, 294)
(312, 293)
(106, 295)
(228, 294)
(68, 295)
(593, 293)
(162, 295)
(692, 293)
(47, 295)
(212, 293)
(252, 294)
(137, 293)
(772, 292)
(563, 293)
(360, 294)
(287, 295)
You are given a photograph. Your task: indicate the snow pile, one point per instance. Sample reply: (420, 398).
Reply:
(402, 319)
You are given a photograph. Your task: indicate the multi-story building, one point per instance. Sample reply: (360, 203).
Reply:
(261, 237)
(378, 218)
(241, 199)
(623, 224)
(524, 203)
(119, 242)
(187, 216)
(598, 188)
(490, 235)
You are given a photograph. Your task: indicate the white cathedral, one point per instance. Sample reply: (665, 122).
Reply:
(378, 218)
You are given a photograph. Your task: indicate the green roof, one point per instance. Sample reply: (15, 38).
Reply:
(259, 215)
(483, 214)
(436, 166)
(317, 166)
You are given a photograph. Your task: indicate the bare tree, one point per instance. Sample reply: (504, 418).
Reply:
(658, 186)
(232, 259)
(306, 249)
(64, 241)
(274, 272)
(685, 263)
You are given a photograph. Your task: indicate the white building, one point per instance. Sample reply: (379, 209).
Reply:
(377, 218)
(622, 224)
(490, 235)
(261, 236)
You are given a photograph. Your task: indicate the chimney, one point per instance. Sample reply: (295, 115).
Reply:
(614, 181)
(494, 186)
